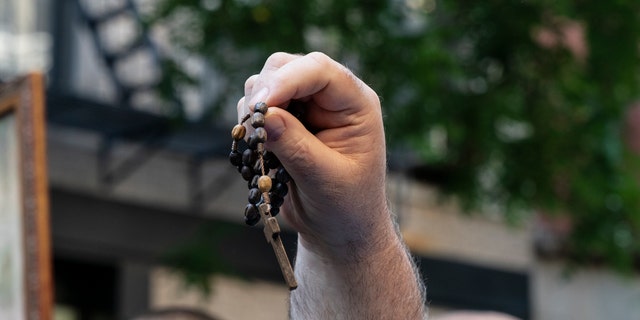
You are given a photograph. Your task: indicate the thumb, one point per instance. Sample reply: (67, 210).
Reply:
(299, 151)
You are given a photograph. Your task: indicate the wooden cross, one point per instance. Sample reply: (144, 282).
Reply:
(272, 233)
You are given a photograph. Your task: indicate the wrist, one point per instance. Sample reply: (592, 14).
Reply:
(353, 244)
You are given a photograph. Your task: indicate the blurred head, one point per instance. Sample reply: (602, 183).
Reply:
(175, 314)
(475, 315)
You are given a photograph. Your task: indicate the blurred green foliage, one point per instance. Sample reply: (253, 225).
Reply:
(496, 96)
(200, 256)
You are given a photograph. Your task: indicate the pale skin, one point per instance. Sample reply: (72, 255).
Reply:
(351, 262)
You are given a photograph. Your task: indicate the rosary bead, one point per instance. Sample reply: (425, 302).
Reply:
(258, 137)
(257, 120)
(238, 132)
(282, 175)
(249, 157)
(264, 183)
(276, 200)
(247, 173)
(235, 158)
(261, 107)
(254, 195)
(254, 182)
(261, 134)
(253, 141)
(271, 161)
(280, 189)
(274, 211)
(251, 215)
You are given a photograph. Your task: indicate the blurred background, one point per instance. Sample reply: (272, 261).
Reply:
(513, 128)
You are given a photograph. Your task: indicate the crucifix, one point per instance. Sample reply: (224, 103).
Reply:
(272, 233)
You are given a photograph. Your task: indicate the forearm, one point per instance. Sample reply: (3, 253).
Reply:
(384, 285)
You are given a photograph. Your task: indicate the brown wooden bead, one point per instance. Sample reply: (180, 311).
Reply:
(238, 132)
(264, 183)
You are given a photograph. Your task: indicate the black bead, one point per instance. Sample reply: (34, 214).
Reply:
(253, 141)
(270, 160)
(258, 137)
(274, 211)
(280, 189)
(254, 181)
(261, 134)
(275, 200)
(247, 173)
(251, 215)
(257, 120)
(261, 107)
(282, 175)
(254, 195)
(249, 157)
(235, 158)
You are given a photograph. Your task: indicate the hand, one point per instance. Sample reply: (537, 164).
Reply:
(348, 251)
(337, 201)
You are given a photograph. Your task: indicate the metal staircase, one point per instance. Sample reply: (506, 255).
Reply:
(131, 46)
(133, 64)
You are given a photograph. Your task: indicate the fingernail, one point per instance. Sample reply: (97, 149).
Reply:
(274, 126)
(259, 97)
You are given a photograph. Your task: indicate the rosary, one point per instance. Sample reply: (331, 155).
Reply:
(266, 191)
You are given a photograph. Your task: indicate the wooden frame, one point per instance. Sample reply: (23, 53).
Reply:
(26, 286)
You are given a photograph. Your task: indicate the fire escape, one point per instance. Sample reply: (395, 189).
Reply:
(132, 63)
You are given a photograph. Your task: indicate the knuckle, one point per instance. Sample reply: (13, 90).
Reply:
(299, 152)
(240, 103)
(319, 57)
(240, 108)
(248, 84)
(299, 157)
(277, 59)
(278, 78)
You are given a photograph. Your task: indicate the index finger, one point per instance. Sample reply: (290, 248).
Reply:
(330, 84)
